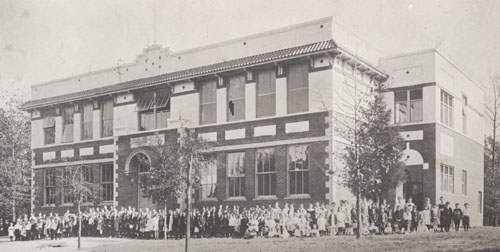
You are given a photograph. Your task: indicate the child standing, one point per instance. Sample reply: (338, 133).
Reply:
(466, 216)
(457, 216)
(435, 217)
(11, 232)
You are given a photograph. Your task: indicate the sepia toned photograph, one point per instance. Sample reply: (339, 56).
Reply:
(249, 125)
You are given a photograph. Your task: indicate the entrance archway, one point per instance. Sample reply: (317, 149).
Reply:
(414, 168)
(137, 165)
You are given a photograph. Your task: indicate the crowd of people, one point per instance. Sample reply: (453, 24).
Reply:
(247, 222)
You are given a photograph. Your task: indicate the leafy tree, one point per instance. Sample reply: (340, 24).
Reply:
(174, 172)
(79, 187)
(15, 155)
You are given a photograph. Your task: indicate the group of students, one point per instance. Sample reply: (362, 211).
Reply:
(246, 222)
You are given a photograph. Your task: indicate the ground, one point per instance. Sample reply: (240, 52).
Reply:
(477, 239)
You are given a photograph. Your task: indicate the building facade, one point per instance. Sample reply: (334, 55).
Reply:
(270, 102)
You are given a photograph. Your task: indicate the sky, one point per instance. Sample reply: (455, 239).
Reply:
(43, 40)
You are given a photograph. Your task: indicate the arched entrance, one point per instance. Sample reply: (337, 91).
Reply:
(137, 165)
(414, 186)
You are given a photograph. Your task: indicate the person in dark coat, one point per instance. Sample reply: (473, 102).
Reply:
(442, 206)
(457, 216)
(447, 216)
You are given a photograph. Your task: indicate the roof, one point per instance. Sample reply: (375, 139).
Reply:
(185, 74)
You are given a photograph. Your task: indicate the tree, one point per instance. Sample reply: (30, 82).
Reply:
(174, 172)
(491, 159)
(15, 155)
(374, 162)
(79, 187)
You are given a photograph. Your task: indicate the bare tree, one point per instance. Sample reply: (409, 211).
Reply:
(79, 187)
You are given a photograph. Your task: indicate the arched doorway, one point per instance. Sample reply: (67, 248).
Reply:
(414, 168)
(137, 166)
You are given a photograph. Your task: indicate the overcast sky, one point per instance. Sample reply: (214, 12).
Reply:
(46, 40)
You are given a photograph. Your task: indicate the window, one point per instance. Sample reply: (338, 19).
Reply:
(266, 172)
(298, 169)
(297, 77)
(154, 110)
(49, 127)
(464, 182)
(208, 102)
(87, 117)
(464, 115)
(236, 98)
(140, 163)
(236, 174)
(208, 177)
(447, 178)
(67, 131)
(107, 118)
(266, 93)
(480, 202)
(446, 108)
(50, 186)
(87, 174)
(408, 106)
(107, 182)
(67, 177)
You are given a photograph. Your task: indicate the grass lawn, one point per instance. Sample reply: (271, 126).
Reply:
(482, 239)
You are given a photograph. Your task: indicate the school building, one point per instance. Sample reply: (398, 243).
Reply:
(272, 102)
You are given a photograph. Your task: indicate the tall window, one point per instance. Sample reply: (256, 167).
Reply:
(266, 172)
(154, 110)
(266, 93)
(49, 127)
(464, 115)
(208, 102)
(464, 182)
(236, 98)
(67, 177)
(447, 178)
(297, 77)
(107, 182)
(87, 118)
(209, 177)
(408, 106)
(236, 174)
(298, 169)
(107, 118)
(88, 177)
(50, 186)
(480, 202)
(446, 108)
(67, 131)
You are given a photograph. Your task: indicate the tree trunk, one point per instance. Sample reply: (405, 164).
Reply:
(358, 211)
(14, 211)
(165, 222)
(79, 224)
(188, 208)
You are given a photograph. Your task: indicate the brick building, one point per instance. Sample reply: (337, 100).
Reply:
(266, 99)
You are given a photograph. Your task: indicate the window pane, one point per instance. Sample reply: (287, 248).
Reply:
(260, 186)
(416, 94)
(273, 183)
(416, 111)
(266, 105)
(401, 96)
(107, 118)
(236, 98)
(306, 182)
(266, 93)
(292, 182)
(298, 88)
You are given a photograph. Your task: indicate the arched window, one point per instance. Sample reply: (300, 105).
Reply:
(140, 163)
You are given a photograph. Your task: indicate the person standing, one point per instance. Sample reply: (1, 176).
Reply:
(442, 206)
(457, 216)
(447, 216)
(11, 232)
(466, 216)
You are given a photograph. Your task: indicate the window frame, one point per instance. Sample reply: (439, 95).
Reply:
(65, 123)
(154, 110)
(105, 119)
(265, 174)
(240, 180)
(447, 108)
(208, 160)
(464, 182)
(104, 183)
(231, 81)
(447, 177)
(52, 187)
(409, 102)
(302, 88)
(261, 97)
(305, 187)
(87, 127)
(202, 86)
(67, 176)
